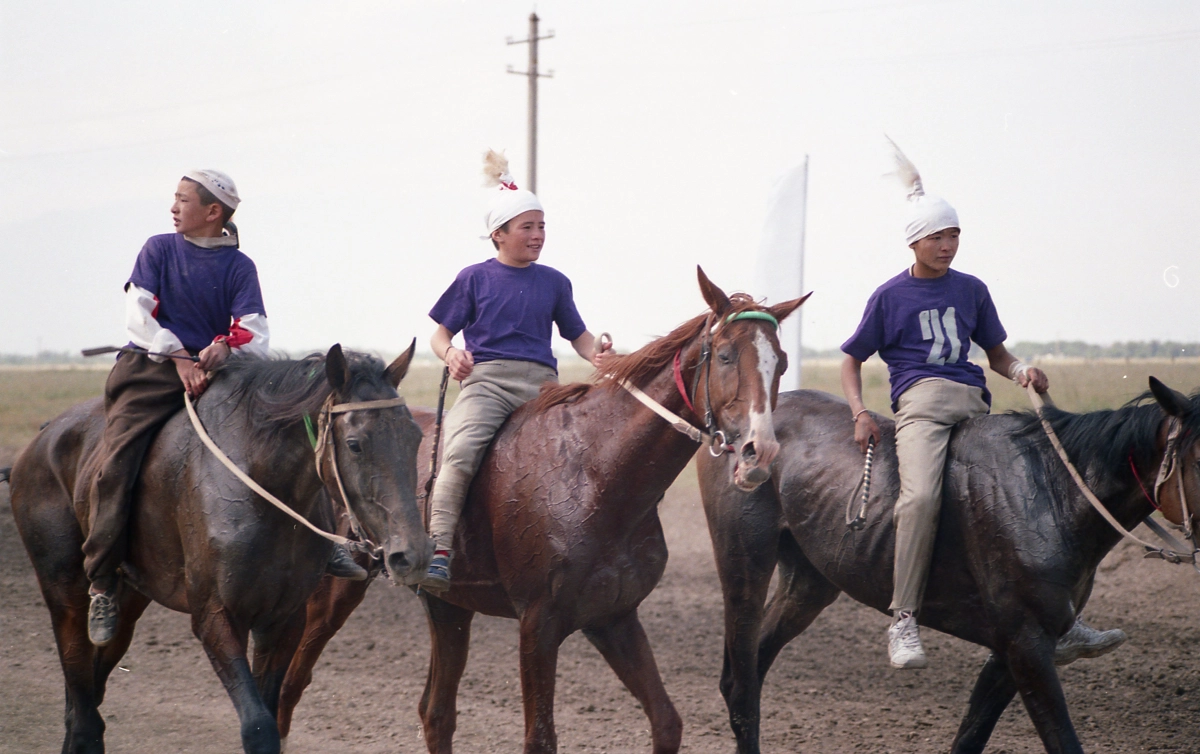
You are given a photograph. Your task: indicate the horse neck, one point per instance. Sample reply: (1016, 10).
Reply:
(655, 451)
(284, 467)
(1123, 486)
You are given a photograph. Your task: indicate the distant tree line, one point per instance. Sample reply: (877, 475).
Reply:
(1072, 349)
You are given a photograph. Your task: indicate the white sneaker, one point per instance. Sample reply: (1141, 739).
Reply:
(1084, 641)
(904, 643)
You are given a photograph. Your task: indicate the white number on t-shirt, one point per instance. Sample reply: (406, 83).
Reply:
(939, 330)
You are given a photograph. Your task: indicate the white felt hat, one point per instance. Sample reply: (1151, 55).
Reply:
(219, 184)
(506, 201)
(927, 214)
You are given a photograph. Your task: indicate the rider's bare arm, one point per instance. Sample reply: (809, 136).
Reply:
(1003, 362)
(597, 352)
(864, 424)
(461, 362)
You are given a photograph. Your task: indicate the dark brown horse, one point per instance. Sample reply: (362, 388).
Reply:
(1016, 551)
(561, 527)
(202, 543)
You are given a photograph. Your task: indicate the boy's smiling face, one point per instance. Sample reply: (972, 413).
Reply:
(191, 216)
(521, 244)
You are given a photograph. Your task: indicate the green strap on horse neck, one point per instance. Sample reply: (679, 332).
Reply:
(312, 433)
(764, 316)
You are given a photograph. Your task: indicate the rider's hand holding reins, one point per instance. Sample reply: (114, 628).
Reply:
(460, 362)
(194, 378)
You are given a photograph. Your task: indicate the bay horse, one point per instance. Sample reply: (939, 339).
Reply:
(561, 528)
(1016, 551)
(201, 542)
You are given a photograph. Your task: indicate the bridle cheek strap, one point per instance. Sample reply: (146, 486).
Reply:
(679, 384)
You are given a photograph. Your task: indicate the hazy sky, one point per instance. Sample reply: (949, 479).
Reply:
(1065, 133)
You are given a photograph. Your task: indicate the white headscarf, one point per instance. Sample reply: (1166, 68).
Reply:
(927, 214)
(507, 201)
(219, 184)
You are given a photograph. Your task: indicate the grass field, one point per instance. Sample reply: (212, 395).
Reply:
(30, 397)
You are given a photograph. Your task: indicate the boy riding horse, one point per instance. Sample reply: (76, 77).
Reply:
(505, 308)
(192, 295)
(922, 323)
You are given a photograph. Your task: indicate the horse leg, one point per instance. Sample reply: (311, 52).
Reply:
(225, 645)
(450, 633)
(625, 647)
(86, 667)
(1030, 658)
(799, 598)
(273, 653)
(745, 541)
(540, 639)
(994, 690)
(326, 612)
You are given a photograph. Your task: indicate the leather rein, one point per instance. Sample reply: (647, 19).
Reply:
(712, 435)
(322, 443)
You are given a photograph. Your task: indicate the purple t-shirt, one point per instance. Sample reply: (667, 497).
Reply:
(200, 291)
(506, 312)
(923, 327)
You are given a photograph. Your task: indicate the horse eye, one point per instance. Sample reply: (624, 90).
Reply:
(725, 357)
(354, 445)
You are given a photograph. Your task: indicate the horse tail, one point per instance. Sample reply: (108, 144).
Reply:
(5, 473)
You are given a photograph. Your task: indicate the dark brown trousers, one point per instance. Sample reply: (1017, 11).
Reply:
(139, 397)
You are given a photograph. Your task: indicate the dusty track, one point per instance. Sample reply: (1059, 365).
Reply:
(830, 691)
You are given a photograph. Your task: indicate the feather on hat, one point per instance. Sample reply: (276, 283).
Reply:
(507, 201)
(927, 214)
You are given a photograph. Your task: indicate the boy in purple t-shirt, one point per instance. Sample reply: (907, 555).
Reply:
(191, 293)
(505, 308)
(922, 323)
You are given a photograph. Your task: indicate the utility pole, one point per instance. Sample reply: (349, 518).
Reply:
(533, 76)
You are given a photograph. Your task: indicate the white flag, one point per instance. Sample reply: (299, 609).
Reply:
(780, 271)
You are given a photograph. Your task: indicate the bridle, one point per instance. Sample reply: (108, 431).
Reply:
(712, 435)
(323, 443)
(1171, 465)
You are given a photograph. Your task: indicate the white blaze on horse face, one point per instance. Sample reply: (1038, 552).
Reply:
(762, 427)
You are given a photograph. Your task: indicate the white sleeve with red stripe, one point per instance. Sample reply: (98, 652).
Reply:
(141, 323)
(249, 334)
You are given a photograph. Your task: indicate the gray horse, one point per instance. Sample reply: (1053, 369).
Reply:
(1016, 551)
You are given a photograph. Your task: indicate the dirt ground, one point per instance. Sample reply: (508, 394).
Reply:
(830, 691)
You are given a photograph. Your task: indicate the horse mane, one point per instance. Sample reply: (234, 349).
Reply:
(639, 366)
(278, 393)
(1105, 440)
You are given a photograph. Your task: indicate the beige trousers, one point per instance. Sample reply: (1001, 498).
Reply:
(493, 391)
(927, 414)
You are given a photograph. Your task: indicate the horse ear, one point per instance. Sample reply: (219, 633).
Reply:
(398, 368)
(781, 311)
(714, 296)
(337, 371)
(1173, 402)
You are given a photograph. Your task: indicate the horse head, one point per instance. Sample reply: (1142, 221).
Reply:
(1177, 488)
(367, 457)
(737, 378)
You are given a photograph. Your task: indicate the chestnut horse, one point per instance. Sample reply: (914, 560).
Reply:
(1016, 551)
(202, 543)
(561, 528)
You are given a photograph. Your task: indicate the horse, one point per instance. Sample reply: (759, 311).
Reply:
(201, 542)
(1016, 550)
(561, 528)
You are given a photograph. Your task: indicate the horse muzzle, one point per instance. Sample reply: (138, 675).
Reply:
(405, 561)
(754, 463)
